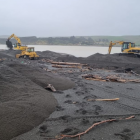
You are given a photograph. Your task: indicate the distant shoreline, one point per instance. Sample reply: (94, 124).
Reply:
(75, 40)
(75, 45)
(68, 45)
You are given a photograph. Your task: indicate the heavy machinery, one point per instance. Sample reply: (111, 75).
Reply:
(127, 47)
(26, 52)
(17, 46)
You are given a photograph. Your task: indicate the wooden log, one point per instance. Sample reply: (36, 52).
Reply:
(95, 79)
(121, 80)
(49, 86)
(87, 130)
(134, 80)
(59, 66)
(112, 78)
(115, 99)
(66, 63)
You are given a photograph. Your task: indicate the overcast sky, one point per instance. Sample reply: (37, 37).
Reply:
(69, 17)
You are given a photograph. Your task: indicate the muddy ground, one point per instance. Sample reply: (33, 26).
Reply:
(25, 102)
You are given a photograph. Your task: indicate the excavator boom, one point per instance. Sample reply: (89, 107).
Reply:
(112, 44)
(15, 37)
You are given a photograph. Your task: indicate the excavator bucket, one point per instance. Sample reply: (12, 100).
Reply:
(9, 44)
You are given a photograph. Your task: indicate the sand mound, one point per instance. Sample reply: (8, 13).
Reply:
(10, 54)
(24, 104)
(114, 61)
(68, 58)
(43, 78)
(107, 61)
(112, 58)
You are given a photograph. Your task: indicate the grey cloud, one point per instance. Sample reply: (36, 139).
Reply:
(69, 17)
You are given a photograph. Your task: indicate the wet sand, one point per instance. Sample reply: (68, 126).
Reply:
(73, 112)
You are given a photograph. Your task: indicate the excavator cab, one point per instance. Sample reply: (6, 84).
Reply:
(31, 49)
(127, 45)
(17, 44)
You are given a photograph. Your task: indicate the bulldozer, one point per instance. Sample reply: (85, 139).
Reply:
(127, 47)
(26, 52)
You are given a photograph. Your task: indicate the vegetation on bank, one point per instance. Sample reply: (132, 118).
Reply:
(78, 40)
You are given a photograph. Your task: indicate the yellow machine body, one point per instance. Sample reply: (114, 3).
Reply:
(18, 45)
(127, 47)
(28, 53)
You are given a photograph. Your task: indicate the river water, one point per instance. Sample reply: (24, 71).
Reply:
(78, 51)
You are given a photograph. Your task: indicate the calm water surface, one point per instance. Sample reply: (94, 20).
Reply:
(79, 51)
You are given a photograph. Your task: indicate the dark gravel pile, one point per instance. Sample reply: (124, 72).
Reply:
(24, 101)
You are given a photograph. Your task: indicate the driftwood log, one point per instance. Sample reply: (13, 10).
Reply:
(115, 99)
(59, 66)
(67, 63)
(111, 78)
(49, 86)
(86, 131)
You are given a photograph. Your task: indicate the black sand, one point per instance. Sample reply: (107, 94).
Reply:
(73, 113)
(24, 102)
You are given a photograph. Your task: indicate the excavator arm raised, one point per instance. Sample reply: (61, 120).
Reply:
(112, 44)
(15, 37)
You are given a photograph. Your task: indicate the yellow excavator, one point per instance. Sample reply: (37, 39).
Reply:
(127, 47)
(18, 45)
(26, 52)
